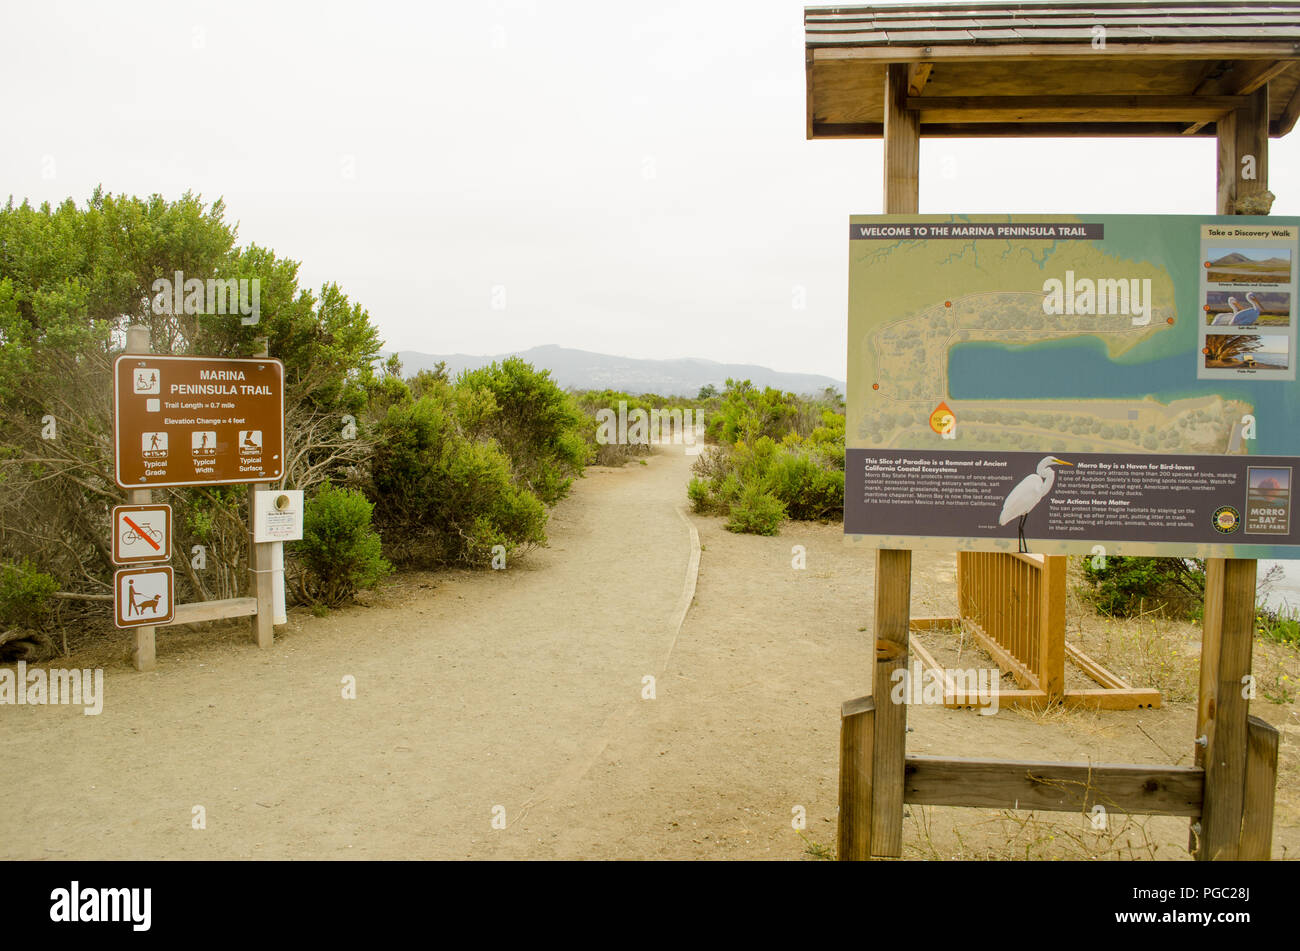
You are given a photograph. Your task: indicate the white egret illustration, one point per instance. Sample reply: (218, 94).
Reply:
(1031, 490)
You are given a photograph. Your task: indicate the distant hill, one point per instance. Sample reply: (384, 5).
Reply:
(1237, 258)
(583, 370)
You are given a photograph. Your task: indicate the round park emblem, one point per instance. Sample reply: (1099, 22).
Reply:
(1226, 519)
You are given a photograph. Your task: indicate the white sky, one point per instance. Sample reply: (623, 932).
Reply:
(634, 175)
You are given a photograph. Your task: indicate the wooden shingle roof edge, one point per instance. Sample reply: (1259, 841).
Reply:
(1181, 28)
(1055, 67)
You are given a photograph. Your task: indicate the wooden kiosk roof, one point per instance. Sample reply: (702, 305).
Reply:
(1031, 68)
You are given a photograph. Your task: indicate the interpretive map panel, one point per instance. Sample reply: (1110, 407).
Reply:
(1050, 383)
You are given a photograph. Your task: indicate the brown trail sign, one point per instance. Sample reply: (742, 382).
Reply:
(197, 420)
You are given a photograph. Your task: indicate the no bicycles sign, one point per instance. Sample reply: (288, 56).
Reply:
(197, 420)
(142, 533)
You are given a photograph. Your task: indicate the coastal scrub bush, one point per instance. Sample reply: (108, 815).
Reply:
(443, 498)
(340, 553)
(757, 511)
(802, 469)
(24, 594)
(537, 425)
(1122, 586)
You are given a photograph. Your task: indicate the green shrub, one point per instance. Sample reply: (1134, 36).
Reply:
(809, 491)
(1124, 585)
(24, 594)
(757, 512)
(537, 425)
(1279, 625)
(339, 551)
(442, 498)
(805, 476)
(698, 492)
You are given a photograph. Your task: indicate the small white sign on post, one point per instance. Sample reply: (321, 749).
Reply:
(277, 516)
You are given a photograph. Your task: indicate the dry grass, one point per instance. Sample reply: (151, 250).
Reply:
(1032, 836)
(1147, 651)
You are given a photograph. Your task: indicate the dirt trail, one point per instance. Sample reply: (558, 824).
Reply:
(523, 689)
(473, 690)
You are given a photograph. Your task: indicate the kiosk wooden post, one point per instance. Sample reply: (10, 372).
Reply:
(1229, 620)
(902, 135)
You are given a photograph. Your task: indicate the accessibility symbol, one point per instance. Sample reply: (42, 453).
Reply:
(143, 596)
(146, 381)
(142, 533)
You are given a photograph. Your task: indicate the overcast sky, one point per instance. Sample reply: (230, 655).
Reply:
(626, 178)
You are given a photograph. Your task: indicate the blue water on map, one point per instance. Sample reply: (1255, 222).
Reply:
(1079, 368)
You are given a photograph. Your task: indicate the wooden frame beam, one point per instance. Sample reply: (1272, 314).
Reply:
(1290, 112)
(1014, 130)
(199, 611)
(944, 109)
(918, 74)
(1055, 787)
(1241, 79)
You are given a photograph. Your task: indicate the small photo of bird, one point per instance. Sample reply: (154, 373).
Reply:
(1031, 490)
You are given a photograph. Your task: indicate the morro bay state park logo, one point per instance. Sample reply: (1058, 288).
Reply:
(1226, 519)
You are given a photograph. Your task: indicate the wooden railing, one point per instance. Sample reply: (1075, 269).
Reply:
(1014, 604)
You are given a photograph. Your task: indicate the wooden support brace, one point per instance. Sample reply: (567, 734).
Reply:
(857, 724)
(1262, 741)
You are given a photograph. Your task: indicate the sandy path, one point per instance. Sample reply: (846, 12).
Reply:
(484, 689)
(523, 689)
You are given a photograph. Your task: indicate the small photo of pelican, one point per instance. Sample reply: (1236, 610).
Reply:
(1248, 308)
